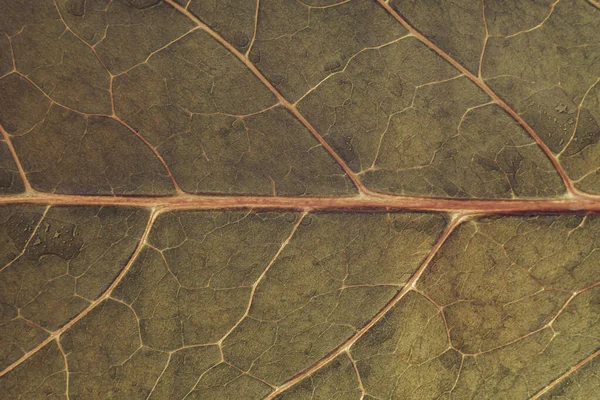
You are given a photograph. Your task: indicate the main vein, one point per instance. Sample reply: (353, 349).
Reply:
(373, 203)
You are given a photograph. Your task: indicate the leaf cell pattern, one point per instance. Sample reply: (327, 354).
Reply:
(299, 199)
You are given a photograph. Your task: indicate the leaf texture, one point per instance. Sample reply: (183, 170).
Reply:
(299, 199)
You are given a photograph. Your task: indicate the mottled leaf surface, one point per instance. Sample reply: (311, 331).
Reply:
(299, 199)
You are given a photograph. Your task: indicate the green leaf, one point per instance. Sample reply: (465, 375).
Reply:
(316, 199)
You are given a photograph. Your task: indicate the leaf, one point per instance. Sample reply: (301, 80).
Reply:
(329, 199)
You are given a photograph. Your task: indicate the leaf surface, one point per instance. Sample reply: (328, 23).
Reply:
(316, 199)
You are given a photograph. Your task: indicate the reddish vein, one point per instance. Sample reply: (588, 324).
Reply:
(282, 100)
(367, 203)
(578, 205)
(483, 86)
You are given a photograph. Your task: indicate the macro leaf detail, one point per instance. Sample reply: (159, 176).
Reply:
(299, 199)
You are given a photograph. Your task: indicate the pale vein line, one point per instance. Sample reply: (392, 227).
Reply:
(485, 40)
(255, 29)
(67, 373)
(12, 55)
(154, 52)
(577, 117)
(348, 62)
(480, 82)
(552, 7)
(324, 7)
(56, 334)
(282, 100)
(115, 118)
(35, 229)
(112, 100)
(262, 276)
(357, 373)
(28, 189)
(347, 344)
(160, 376)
